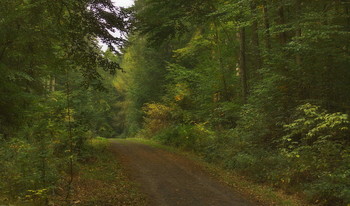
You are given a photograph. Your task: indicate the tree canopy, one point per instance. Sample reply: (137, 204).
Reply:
(259, 87)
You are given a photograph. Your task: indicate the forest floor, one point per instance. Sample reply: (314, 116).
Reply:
(102, 181)
(170, 176)
(171, 179)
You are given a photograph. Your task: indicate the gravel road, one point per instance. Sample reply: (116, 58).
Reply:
(170, 179)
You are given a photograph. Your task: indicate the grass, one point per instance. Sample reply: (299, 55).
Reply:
(99, 180)
(263, 194)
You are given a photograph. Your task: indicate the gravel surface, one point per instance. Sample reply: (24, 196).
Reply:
(171, 179)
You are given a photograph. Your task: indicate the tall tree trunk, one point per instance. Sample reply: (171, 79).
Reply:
(242, 63)
(298, 29)
(282, 35)
(255, 38)
(304, 88)
(53, 84)
(347, 13)
(222, 66)
(267, 26)
(70, 136)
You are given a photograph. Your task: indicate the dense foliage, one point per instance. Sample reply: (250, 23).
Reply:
(52, 95)
(259, 86)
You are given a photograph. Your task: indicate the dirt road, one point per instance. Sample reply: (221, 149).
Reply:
(170, 179)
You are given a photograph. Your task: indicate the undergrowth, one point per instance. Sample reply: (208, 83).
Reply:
(102, 181)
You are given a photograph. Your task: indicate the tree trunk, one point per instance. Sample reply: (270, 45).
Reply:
(255, 38)
(298, 30)
(347, 13)
(222, 66)
(52, 84)
(282, 35)
(267, 26)
(242, 63)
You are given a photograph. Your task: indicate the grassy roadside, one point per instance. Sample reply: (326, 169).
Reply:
(264, 194)
(99, 180)
(103, 182)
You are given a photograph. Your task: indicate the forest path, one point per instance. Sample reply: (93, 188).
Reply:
(171, 179)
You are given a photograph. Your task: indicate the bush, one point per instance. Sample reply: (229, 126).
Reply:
(157, 118)
(25, 168)
(189, 137)
(318, 143)
(261, 166)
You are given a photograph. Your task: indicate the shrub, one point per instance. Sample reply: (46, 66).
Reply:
(261, 166)
(318, 143)
(189, 137)
(157, 118)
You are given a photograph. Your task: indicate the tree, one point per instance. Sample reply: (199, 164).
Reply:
(289, 54)
(43, 45)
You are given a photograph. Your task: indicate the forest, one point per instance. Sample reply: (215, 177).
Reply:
(258, 87)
